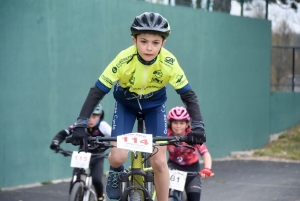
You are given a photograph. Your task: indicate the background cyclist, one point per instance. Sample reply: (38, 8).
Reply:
(96, 127)
(185, 159)
(141, 73)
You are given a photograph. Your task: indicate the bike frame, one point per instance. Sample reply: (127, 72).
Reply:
(138, 174)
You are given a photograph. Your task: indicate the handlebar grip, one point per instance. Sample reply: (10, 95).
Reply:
(69, 139)
(183, 139)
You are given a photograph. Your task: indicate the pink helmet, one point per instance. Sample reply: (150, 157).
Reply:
(178, 113)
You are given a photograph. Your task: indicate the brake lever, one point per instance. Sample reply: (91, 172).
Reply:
(188, 146)
(176, 144)
(65, 154)
(56, 150)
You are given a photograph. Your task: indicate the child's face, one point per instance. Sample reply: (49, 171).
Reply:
(148, 45)
(94, 120)
(178, 127)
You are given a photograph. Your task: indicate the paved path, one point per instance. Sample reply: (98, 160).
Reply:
(235, 180)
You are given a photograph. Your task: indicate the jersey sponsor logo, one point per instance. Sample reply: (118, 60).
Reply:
(115, 116)
(197, 187)
(169, 60)
(152, 86)
(135, 88)
(123, 60)
(177, 85)
(179, 78)
(165, 123)
(107, 80)
(132, 79)
(179, 159)
(158, 73)
(154, 79)
(96, 132)
(114, 69)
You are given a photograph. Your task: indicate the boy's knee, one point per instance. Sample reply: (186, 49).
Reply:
(159, 164)
(117, 157)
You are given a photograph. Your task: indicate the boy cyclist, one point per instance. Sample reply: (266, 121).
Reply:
(141, 73)
(96, 127)
(185, 159)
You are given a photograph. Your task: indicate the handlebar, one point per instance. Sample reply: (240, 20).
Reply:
(171, 140)
(63, 151)
(66, 153)
(103, 142)
(192, 174)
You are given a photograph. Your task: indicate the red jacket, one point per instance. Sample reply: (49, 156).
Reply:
(185, 156)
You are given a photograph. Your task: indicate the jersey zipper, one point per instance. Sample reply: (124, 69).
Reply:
(143, 85)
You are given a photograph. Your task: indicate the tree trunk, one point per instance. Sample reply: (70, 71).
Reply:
(222, 5)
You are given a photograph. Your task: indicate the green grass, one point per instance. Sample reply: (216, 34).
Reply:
(287, 146)
(46, 182)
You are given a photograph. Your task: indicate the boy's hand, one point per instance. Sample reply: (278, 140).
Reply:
(197, 136)
(80, 129)
(206, 172)
(79, 132)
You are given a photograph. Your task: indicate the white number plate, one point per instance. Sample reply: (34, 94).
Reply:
(80, 160)
(177, 180)
(135, 142)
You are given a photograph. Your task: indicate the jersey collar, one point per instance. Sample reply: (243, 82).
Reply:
(148, 63)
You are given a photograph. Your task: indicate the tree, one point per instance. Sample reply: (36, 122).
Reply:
(281, 68)
(189, 3)
(222, 5)
(294, 4)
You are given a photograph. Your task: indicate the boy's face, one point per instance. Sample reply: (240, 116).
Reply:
(94, 120)
(148, 45)
(178, 127)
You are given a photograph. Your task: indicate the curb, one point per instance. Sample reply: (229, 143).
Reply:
(34, 185)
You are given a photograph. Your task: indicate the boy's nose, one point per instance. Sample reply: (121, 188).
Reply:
(149, 47)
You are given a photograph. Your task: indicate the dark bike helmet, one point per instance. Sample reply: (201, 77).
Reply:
(149, 21)
(99, 110)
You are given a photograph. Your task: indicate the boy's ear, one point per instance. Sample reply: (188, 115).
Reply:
(134, 40)
(164, 42)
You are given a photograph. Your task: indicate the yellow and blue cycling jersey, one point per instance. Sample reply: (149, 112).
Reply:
(139, 85)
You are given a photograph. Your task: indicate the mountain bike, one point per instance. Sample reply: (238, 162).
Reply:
(81, 186)
(137, 181)
(177, 184)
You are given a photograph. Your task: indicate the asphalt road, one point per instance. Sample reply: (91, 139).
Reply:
(235, 180)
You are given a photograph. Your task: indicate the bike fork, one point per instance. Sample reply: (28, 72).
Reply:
(88, 191)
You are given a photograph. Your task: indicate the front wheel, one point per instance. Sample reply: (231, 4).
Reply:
(76, 192)
(135, 196)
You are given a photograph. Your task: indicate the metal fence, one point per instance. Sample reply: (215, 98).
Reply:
(197, 4)
(285, 69)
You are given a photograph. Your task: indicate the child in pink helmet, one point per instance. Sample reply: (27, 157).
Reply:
(185, 159)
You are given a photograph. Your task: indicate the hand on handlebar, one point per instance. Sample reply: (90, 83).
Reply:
(206, 172)
(197, 136)
(55, 145)
(79, 132)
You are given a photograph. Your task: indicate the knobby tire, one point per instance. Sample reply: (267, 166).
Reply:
(135, 196)
(77, 192)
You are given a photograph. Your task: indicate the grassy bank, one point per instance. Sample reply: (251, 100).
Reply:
(287, 146)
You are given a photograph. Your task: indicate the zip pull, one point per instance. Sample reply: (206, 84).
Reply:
(139, 103)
